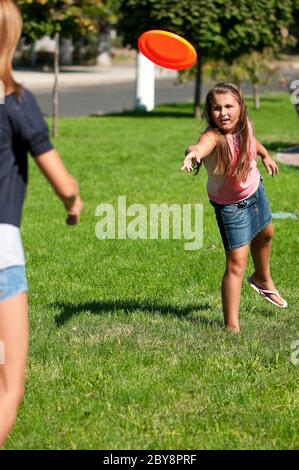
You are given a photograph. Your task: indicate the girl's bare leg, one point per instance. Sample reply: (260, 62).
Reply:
(14, 344)
(236, 261)
(260, 249)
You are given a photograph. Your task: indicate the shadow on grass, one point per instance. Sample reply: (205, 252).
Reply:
(265, 312)
(165, 110)
(69, 310)
(279, 146)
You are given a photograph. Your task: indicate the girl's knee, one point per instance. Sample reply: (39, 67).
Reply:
(267, 234)
(236, 268)
(236, 263)
(20, 395)
(13, 398)
(270, 231)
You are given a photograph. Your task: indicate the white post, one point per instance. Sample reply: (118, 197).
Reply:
(145, 83)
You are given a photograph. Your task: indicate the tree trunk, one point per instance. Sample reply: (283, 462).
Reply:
(198, 84)
(66, 51)
(256, 95)
(55, 88)
(104, 46)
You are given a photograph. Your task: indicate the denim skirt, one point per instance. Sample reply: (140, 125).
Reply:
(240, 222)
(12, 282)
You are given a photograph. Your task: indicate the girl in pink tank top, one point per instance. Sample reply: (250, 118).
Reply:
(235, 189)
(227, 189)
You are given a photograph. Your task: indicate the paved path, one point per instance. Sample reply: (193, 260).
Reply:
(90, 90)
(112, 98)
(289, 156)
(84, 76)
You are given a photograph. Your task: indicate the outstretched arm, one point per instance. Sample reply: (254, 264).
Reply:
(195, 153)
(64, 185)
(268, 162)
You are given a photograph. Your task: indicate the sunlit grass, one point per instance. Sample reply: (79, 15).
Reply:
(127, 346)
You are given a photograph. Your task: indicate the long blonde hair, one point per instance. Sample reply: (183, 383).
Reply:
(11, 24)
(224, 166)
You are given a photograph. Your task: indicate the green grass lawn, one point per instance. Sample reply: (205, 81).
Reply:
(127, 347)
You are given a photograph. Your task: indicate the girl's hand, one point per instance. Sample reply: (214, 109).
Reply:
(190, 161)
(74, 212)
(270, 166)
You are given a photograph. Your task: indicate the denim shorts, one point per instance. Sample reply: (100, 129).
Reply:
(240, 222)
(12, 282)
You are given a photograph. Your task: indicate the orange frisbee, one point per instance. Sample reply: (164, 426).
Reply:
(167, 49)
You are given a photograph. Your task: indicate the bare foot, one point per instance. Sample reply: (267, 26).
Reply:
(232, 329)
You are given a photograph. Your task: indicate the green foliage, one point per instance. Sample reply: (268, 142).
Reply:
(217, 28)
(296, 20)
(72, 17)
(257, 67)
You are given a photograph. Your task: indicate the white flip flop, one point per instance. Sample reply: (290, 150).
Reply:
(265, 294)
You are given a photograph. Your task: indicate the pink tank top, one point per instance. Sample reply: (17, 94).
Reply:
(225, 189)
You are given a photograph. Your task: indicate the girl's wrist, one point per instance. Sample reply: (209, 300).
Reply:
(194, 150)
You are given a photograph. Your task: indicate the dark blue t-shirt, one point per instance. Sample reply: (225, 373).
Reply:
(23, 130)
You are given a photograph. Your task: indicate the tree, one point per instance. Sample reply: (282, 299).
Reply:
(218, 29)
(46, 17)
(257, 67)
(50, 17)
(296, 20)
